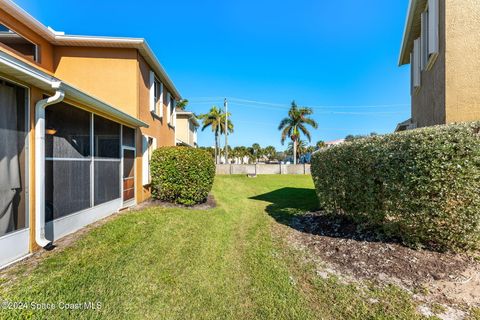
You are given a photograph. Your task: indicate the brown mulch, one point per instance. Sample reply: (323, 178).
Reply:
(349, 250)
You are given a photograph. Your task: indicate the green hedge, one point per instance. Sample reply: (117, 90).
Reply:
(181, 175)
(422, 186)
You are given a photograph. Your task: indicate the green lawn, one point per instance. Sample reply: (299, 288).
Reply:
(222, 263)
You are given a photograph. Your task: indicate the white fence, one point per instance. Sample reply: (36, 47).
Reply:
(225, 169)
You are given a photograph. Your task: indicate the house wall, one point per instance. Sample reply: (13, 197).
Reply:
(428, 103)
(462, 60)
(183, 129)
(45, 49)
(109, 74)
(158, 127)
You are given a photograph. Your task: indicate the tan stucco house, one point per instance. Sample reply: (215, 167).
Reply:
(441, 42)
(186, 129)
(79, 119)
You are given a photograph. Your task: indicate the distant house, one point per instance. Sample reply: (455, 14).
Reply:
(441, 42)
(186, 128)
(79, 119)
(334, 142)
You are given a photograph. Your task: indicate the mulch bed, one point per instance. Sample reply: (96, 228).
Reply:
(349, 250)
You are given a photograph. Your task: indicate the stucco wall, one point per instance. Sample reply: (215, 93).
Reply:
(108, 74)
(185, 130)
(182, 128)
(462, 60)
(158, 127)
(428, 103)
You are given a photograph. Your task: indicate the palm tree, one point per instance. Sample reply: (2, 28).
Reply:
(270, 152)
(182, 104)
(301, 148)
(243, 152)
(320, 145)
(215, 119)
(294, 124)
(256, 151)
(310, 149)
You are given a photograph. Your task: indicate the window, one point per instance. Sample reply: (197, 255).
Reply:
(416, 70)
(18, 43)
(158, 89)
(107, 160)
(433, 28)
(149, 144)
(82, 166)
(173, 110)
(68, 160)
(169, 108)
(13, 212)
(128, 137)
(156, 94)
(426, 47)
(107, 138)
(429, 35)
(67, 132)
(424, 40)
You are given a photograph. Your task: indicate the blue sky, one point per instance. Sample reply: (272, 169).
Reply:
(339, 57)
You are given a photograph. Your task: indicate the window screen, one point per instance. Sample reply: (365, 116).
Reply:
(107, 160)
(128, 137)
(107, 138)
(68, 160)
(67, 187)
(107, 181)
(69, 183)
(67, 132)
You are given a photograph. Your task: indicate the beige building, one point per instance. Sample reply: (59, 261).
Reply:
(441, 42)
(186, 128)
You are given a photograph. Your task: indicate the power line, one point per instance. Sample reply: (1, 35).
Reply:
(322, 111)
(213, 100)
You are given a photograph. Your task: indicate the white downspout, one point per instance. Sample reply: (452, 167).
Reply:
(40, 163)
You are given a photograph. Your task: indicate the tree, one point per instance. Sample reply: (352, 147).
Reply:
(295, 124)
(215, 119)
(242, 153)
(270, 152)
(310, 149)
(352, 137)
(209, 150)
(320, 145)
(256, 151)
(301, 148)
(182, 104)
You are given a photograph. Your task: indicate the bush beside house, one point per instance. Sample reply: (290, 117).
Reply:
(421, 185)
(181, 175)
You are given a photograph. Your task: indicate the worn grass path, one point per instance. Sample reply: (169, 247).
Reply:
(222, 263)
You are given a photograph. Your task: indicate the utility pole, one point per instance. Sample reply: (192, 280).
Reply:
(225, 103)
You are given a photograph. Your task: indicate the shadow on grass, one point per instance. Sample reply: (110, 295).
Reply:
(298, 209)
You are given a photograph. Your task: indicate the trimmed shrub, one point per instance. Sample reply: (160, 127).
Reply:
(422, 186)
(181, 175)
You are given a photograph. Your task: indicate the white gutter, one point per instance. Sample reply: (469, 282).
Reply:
(40, 164)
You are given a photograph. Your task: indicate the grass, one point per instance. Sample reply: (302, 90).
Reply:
(223, 263)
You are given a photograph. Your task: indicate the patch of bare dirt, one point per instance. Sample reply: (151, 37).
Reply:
(209, 204)
(342, 249)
